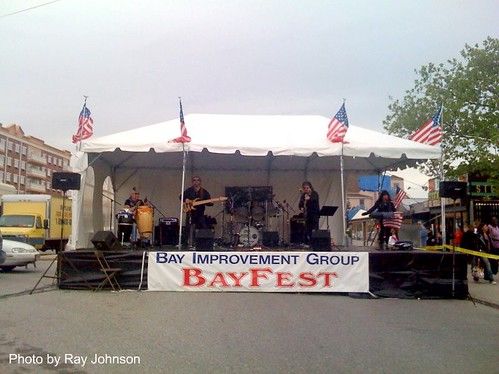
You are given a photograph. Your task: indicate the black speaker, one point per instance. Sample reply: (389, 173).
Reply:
(453, 190)
(270, 239)
(297, 230)
(166, 234)
(66, 181)
(204, 239)
(106, 241)
(320, 240)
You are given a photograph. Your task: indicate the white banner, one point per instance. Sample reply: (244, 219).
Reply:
(259, 271)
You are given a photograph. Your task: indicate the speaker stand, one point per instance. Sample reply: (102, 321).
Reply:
(57, 276)
(57, 259)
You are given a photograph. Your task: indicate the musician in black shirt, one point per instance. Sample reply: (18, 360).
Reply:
(309, 205)
(382, 206)
(195, 216)
(134, 200)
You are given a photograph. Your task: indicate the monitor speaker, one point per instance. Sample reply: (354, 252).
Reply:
(106, 241)
(453, 190)
(66, 181)
(320, 240)
(204, 239)
(270, 239)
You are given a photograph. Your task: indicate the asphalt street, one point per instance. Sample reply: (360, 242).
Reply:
(168, 332)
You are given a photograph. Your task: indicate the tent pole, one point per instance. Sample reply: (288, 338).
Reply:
(343, 238)
(442, 179)
(182, 199)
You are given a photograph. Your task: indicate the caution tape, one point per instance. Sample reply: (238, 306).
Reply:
(461, 250)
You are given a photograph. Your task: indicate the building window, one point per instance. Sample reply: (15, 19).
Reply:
(2, 160)
(2, 144)
(23, 165)
(17, 147)
(9, 161)
(8, 175)
(49, 159)
(22, 179)
(24, 150)
(16, 178)
(1, 176)
(9, 145)
(16, 163)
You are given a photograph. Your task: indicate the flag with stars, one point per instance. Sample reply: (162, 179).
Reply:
(85, 125)
(338, 126)
(183, 138)
(400, 195)
(431, 131)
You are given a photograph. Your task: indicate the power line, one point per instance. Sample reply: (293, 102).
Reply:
(25, 10)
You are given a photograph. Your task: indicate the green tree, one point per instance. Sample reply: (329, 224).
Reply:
(467, 89)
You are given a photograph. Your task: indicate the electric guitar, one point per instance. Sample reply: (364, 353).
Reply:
(188, 206)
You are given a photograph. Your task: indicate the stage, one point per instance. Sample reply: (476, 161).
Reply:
(396, 274)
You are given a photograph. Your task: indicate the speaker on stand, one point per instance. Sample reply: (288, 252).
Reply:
(453, 190)
(63, 181)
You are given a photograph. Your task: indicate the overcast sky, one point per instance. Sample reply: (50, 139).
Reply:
(134, 58)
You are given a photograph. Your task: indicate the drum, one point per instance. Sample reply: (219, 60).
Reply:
(125, 225)
(145, 221)
(241, 214)
(125, 218)
(258, 213)
(249, 236)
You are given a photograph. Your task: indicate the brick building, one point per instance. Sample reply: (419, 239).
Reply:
(27, 163)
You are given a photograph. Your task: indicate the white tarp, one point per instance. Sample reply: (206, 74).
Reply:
(232, 150)
(256, 135)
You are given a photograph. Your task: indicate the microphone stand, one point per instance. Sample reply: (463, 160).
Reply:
(155, 207)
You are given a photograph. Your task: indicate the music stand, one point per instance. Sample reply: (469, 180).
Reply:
(328, 211)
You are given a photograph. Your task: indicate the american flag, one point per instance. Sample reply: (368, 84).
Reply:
(395, 222)
(399, 196)
(431, 131)
(338, 126)
(85, 125)
(183, 138)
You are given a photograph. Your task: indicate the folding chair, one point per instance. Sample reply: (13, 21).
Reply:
(109, 272)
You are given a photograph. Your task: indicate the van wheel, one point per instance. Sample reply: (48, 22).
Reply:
(7, 269)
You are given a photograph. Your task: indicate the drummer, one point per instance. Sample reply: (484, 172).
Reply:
(134, 200)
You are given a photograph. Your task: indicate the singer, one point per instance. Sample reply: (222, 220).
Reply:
(309, 205)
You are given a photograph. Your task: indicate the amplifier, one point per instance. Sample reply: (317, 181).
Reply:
(168, 221)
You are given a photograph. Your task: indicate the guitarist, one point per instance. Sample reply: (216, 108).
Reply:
(309, 205)
(196, 218)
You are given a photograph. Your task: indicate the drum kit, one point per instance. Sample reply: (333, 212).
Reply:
(251, 211)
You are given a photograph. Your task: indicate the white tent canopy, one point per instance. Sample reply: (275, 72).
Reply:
(232, 150)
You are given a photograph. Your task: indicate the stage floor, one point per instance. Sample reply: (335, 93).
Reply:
(397, 274)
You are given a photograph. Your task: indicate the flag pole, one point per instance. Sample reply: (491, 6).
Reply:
(442, 179)
(343, 198)
(182, 199)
